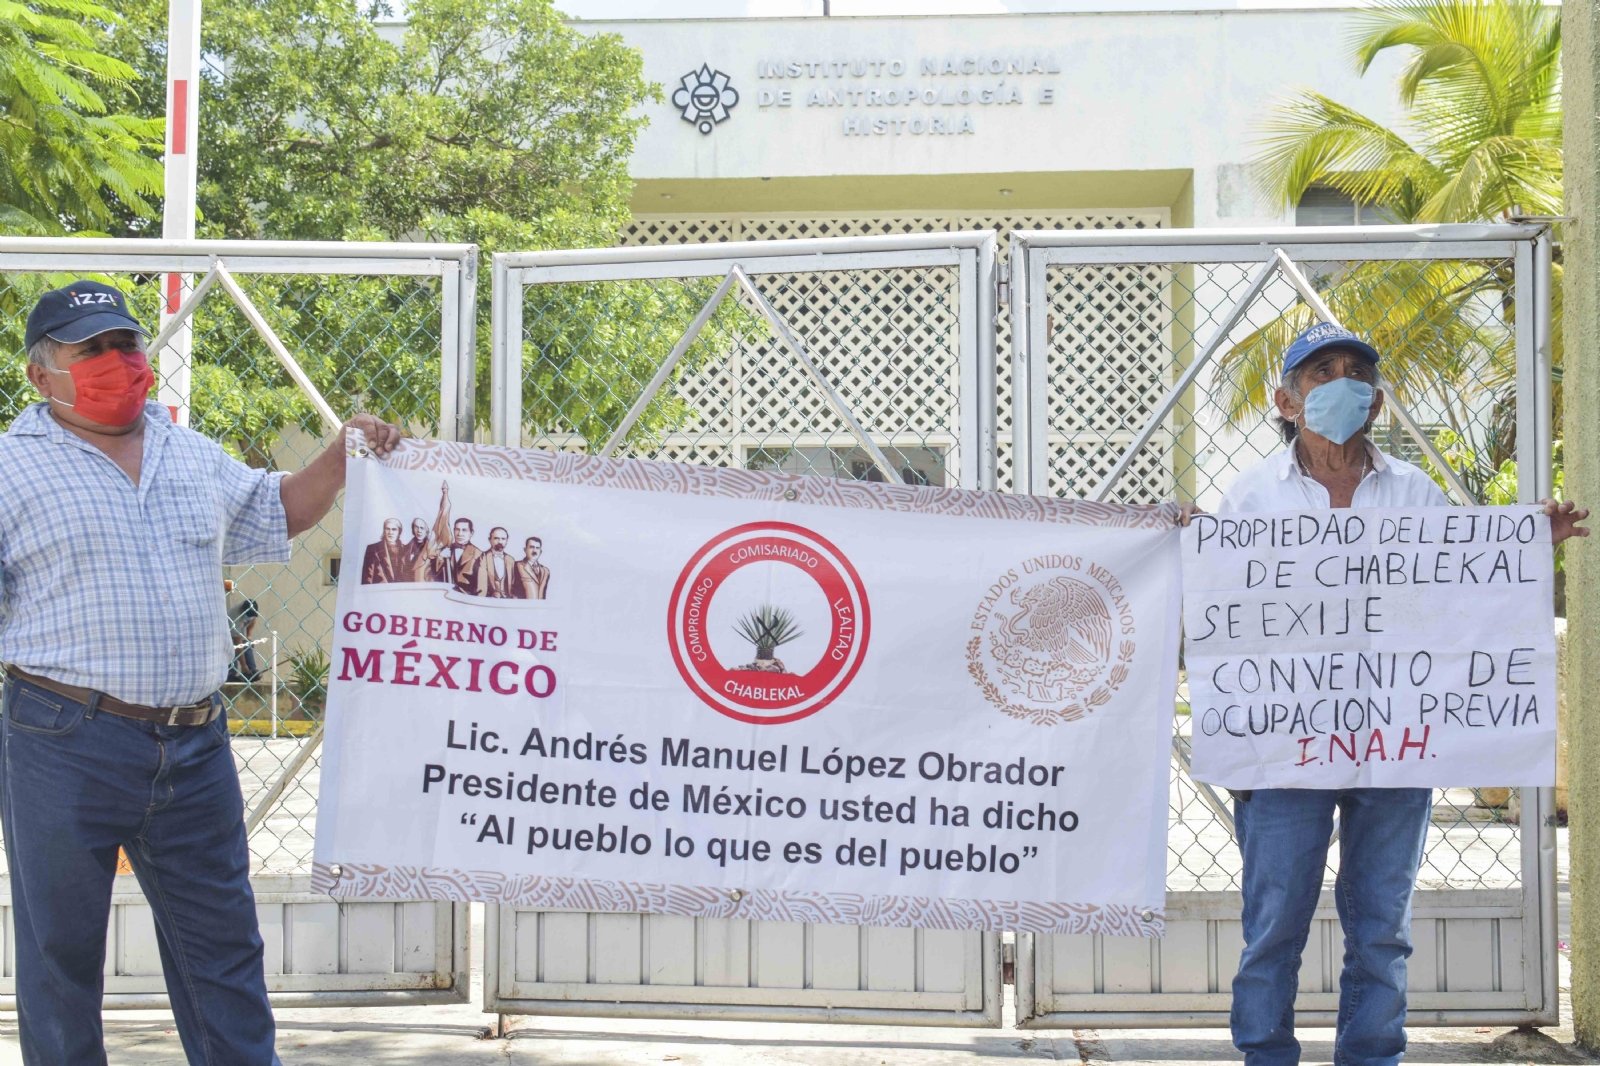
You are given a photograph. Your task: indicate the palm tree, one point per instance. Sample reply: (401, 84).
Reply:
(1482, 86)
(1482, 91)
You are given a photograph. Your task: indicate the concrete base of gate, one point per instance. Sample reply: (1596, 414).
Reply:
(461, 1033)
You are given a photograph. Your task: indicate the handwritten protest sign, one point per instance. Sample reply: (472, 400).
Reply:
(572, 682)
(1371, 647)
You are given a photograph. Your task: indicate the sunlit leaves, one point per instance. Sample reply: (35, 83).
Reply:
(1481, 87)
(66, 164)
(479, 120)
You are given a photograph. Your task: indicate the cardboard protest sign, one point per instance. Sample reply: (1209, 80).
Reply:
(573, 682)
(1372, 647)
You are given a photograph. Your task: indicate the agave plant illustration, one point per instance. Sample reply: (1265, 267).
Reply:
(767, 627)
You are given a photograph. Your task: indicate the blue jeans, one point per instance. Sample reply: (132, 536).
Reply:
(75, 784)
(1283, 834)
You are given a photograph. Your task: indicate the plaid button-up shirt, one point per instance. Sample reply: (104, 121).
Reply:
(118, 587)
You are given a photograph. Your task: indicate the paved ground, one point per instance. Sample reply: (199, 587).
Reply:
(459, 1035)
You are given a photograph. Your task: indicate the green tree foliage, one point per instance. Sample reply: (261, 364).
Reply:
(73, 158)
(1482, 136)
(68, 164)
(475, 120)
(1481, 87)
(591, 348)
(487, 122)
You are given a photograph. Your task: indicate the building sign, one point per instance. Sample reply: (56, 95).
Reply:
(881, 96)
(704, 97)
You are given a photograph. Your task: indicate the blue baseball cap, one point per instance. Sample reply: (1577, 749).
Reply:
(79, 311)
(1321, 337)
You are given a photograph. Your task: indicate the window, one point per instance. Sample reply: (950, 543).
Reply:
(1391, 437)
(1323, 205)
(917, 466)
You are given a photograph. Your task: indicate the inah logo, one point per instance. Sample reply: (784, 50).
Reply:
(1060, 643)
(705, 97)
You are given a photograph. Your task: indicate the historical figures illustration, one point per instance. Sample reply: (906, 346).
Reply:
(419, 554)
(385, 560)
(496, 569)
(533, 577)
(444, 553)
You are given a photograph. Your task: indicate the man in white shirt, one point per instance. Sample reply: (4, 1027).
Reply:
(1327, 402)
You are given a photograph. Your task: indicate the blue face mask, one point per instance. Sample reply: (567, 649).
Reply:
(1338, 409)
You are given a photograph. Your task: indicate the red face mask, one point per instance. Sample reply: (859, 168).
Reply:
(111, 387)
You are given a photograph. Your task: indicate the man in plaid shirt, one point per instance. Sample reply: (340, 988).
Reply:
(114, 528)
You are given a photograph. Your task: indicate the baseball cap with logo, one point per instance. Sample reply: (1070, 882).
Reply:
(1321, 337)
(79, 311)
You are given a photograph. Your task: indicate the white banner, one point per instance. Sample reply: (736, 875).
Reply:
(1371, 648)
(572, 682)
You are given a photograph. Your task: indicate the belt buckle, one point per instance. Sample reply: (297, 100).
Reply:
(172, 719)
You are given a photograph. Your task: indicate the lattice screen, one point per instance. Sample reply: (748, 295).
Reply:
(897, 355)
(1112, 357)
(887, 340)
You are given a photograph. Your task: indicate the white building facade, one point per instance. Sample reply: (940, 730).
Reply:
(773, 128)
(1145, 118)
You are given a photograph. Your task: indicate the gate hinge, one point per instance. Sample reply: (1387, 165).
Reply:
(1002, 276)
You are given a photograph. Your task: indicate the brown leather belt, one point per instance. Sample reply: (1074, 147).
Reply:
(191, 714)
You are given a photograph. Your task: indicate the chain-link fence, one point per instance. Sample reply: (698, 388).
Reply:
(1152, 362)
(692, 231)
(374, 328)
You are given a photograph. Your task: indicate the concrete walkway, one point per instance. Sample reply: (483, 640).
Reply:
(459, 1034)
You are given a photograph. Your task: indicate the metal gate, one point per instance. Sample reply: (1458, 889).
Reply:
(1137, 373)
(1143, 371)
(868, 358)
(265, 345)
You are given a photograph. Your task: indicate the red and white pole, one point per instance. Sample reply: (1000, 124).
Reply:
(183, 127)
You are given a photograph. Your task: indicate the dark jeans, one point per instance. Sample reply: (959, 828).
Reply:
(1283, 834)
(75, 784)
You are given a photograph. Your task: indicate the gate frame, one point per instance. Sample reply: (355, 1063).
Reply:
(974, 255)
(456, 265)
(1528, 245)
(971, 252)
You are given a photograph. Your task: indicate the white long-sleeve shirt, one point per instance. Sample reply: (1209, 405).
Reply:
(1278, 484)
